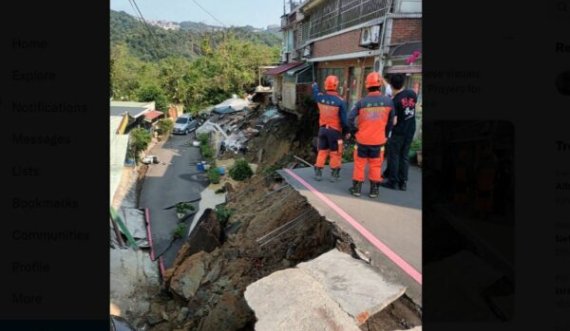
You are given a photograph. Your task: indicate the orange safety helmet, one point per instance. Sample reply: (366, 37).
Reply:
(373, 80)
(331, 83)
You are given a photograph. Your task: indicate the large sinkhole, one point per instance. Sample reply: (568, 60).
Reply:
(264, 227)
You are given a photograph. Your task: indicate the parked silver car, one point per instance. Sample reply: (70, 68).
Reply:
(184, 124)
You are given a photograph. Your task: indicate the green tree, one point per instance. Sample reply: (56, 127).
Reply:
(139, 140)
(165, 126)
(153, 93)
(172, 72)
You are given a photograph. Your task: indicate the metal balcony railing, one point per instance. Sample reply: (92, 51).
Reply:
(335, 15)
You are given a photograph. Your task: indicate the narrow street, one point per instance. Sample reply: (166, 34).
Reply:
(174, 179)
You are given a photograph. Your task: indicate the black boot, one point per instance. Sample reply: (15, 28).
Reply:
(389, 184)
(335, 175)
(356, 187)
(374, 189)
(318, 173)
(403, 186)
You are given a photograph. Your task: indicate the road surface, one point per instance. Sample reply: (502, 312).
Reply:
(175, 179)
(389, 229)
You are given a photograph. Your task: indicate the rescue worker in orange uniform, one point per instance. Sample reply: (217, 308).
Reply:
(371, 119)
(332, 124)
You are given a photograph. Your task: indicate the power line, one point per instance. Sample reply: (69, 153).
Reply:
(207, 12)
(149, 29)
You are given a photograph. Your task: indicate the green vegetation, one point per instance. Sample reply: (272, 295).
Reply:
(205, 149)
(185, 43)
(182, 207)
(203, 138)
(223, 215)
(180, 231)
(139, 140)
(164, 126)
(153, 93)
(185, 67)
(241, 170)
(207, 152)
(213, 175)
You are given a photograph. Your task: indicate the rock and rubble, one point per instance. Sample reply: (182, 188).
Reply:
(209, 284)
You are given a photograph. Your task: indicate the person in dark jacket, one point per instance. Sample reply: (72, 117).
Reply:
(402, 135)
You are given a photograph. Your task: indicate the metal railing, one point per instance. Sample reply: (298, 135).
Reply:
(336, 15)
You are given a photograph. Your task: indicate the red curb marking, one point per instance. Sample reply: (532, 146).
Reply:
(400, 262)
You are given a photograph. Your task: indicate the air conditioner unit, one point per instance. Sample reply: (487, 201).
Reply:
(285, 57)
(370, 36)
(307, 51)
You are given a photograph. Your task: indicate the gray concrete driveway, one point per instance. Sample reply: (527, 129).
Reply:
(175, 179)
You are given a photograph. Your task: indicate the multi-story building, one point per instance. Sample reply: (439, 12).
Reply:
(347, 38)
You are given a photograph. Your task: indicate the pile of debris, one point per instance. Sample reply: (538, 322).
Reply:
(232, 129)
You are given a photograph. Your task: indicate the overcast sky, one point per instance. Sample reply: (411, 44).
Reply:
(257, 13)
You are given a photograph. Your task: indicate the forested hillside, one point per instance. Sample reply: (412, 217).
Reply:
(188, 66)
(149, 42)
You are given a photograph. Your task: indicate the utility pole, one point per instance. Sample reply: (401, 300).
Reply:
(383, 36)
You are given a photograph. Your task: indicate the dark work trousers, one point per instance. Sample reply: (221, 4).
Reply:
(328, 139)
(398, 159)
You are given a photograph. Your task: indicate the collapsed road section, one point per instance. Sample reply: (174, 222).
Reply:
(389, 229)
(265, 227)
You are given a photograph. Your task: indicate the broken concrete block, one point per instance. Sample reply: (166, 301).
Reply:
(187, 278)
(293, 300)
(357, 288)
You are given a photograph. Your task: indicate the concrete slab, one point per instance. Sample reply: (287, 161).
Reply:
(293, 300)
(132, 276)
(388, 229)
(136, 224)
(209, 199)
(358, 289)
